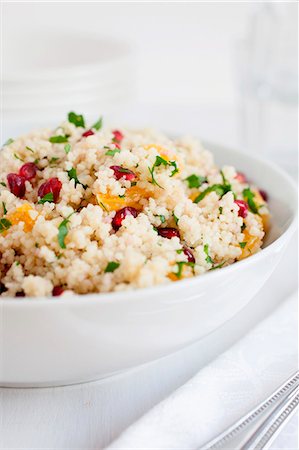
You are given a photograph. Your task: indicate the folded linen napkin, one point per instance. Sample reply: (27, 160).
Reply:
(223, 391)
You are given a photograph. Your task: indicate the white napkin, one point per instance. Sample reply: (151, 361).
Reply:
(224, 390)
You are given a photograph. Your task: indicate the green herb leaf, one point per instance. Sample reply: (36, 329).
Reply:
(76, 119)
(111, 152)
(249, 196)
(112, 266)
(243, 227)
(175, 170)
(220, 189)
(133, 183)
(8, 142)
(67, 148)
(4, 208)
(17, 157)
(208, 258)
(98, 125)
(30, 149)
(46, 198)
(220, 210)
(4, 225)
(63, 231)
(175, 218)
(242, 244)
(218, 266)
(53, 160)
(195, 181)
(3, 184)
(72, 173)
(59, 139)
(162, 218)
(180, 266)
(159, 161)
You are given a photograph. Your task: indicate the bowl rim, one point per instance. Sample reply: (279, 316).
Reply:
(130, 295)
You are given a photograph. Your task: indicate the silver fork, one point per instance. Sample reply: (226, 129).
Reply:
(258, 428)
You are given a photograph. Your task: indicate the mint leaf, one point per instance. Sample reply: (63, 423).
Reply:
(76, 119)
(46, 198)
(112, 266)
(4, 225)
(58, 139)
(98, 125)
(195, 181)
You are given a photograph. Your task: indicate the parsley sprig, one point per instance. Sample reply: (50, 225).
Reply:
(208, 258)
(72, 173)
(195, 181)
(161, 161)
(46, 198)
(76, 119)
(249, 197)
(63, 231)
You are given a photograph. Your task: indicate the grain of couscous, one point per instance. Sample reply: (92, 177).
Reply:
(90, 209)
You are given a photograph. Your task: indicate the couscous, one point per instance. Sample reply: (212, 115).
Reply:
(93, 209)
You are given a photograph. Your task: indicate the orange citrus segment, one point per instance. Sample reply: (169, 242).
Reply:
(253, 243)
(132, 198)
(22, 214)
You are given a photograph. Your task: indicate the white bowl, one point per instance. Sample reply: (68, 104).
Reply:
(56, 341)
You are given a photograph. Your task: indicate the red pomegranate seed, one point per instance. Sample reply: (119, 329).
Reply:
(241, 177)
(57, 290)
(189, 254)
(264, 195)
(88, 133)
(168, 233)
(118, 136)
(121, 172)
(116, 145)
(16, 184)
(243, 208)
(52, 185)
(20, 294)
(121, 215)
(28, 170)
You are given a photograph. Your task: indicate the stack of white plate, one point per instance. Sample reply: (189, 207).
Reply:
(48, 75)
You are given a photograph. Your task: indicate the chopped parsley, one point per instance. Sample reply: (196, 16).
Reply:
(8, 142)
(243, 227)
(46, 198)
(175, 218)
(162, 218)
(195, 181)
(4, 208)
(60, 139)
(249, 196)
(3, 184)
(133, 183)
(18, 157)
(63, 231)
(218, 266)
(30, 149)
(220, 190)
(208, 258)
(161, 161)
(181, 265)
(220, 210)
(98, 125)
(76, 119)
(67, 148)
(4, 225)
(242, 244)
(111, 152)
(112, 266)
(53, 160)
(72, 173)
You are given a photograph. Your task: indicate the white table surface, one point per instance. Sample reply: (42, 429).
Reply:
(91, 415)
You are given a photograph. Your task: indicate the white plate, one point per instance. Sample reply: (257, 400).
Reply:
(69, 340)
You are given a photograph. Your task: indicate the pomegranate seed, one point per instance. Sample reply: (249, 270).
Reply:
(243, 208)
(264, 195)
(88, 133)
(121, 172)
(28, 171)
(116, 145)
(52, 185)
(118, 136)
(189, 254)
(20, 294)
(241, 177)
(16, 184)
(121, 215)
(168, 233)
(57, 290)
